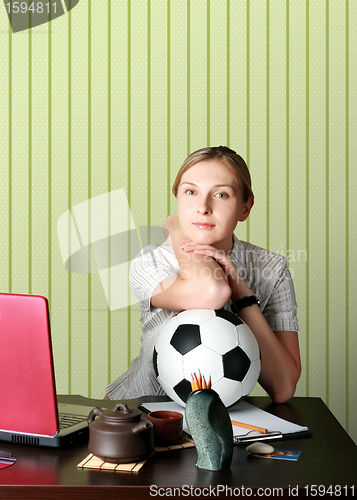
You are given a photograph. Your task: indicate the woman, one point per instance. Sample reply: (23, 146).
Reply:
(204, 266)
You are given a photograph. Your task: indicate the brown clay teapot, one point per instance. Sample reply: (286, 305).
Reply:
(119, 435)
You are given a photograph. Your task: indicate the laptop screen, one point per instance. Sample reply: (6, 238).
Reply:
(27, 385)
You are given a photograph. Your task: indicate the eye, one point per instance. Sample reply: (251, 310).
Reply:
(222, 195)
(189, 191)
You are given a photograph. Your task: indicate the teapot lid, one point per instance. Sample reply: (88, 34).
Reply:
(121, 413)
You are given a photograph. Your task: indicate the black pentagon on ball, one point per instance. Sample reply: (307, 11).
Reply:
(186, 338)
(154, 360)
(236, 364)
(229, 316)
(183, 389)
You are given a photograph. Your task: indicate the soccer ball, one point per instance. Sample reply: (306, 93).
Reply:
(216, 343)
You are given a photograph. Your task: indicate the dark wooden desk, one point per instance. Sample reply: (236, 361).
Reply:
(329, 458)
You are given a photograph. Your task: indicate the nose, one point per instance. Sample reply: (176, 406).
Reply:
(204, 207)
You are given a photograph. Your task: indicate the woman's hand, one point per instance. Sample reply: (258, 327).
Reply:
(194, 287)
(237, 284)
(171, 224)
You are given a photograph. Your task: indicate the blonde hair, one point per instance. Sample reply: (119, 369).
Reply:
(225, 155)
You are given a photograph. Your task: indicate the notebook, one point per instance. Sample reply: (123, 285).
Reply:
(29, 413)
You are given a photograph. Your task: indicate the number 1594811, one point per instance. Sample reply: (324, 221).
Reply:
(333, 491)
(34, 7)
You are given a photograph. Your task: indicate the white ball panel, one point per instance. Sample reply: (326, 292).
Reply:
(219, 335)
(166, 334)
(195, 316)
(230, 391)
(248, 342)
(251, 378)
(208, 362)
(170, 365)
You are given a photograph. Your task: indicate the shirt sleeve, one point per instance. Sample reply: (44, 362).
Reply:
(280, 310)
(149, 268)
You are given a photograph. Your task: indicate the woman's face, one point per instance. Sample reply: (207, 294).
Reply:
(210, 204)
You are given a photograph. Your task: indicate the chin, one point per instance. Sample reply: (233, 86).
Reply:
(201, 236)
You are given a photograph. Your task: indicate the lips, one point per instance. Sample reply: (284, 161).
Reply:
(203, 225)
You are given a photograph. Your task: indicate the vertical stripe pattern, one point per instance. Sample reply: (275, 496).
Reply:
(112, 95)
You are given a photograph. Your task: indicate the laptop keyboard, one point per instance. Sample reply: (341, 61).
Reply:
(67, 419)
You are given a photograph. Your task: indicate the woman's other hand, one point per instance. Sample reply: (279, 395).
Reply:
(171, 224)
(237, 284)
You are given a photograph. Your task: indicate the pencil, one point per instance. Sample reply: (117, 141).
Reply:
(195, 386)
(251, 427)
(199, 379)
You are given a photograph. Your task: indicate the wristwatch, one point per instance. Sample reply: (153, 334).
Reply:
(245, 302)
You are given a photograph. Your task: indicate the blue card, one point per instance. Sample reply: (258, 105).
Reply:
(280, 455)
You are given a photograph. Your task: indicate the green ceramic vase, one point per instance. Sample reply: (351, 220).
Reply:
(211, 429)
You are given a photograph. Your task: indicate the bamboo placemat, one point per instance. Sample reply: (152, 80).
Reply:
(93, 462)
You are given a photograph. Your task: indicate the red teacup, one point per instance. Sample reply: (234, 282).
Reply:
(167, 426)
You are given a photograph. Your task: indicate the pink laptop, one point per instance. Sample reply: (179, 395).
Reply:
(29, 413)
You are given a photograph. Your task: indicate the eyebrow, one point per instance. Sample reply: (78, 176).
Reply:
(215, 186)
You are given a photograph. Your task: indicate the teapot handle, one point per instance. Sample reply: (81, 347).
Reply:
(96, 412)
(122, 408)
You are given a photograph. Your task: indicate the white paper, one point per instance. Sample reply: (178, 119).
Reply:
(242, 412)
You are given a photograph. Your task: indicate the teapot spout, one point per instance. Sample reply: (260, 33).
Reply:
(142, 426)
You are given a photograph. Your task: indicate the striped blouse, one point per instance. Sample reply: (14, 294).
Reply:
(266, 273)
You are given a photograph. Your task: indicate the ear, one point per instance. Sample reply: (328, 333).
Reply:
(247, 207)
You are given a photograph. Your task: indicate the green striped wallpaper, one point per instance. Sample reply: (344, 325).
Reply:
(115, 94)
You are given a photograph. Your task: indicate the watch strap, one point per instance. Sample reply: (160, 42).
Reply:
(243, 303)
